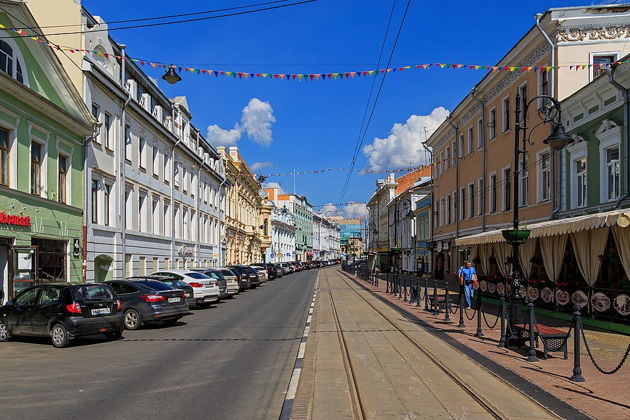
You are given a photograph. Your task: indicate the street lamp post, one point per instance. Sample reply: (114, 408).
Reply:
(550, 112)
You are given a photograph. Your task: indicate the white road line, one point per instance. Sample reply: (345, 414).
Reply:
(306, 330)
(309, 319)
(302, 350)
(295, 379)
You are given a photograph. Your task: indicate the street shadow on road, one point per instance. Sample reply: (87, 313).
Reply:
(213, 339)
(590, 394)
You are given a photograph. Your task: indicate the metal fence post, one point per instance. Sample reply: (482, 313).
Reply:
(436, 307)
(532, 321)
(399, 286)
(479, 332)
(405, 280)
(502, 312)
(447, 303)
(417, 291)
(426, 293)
(577, 327)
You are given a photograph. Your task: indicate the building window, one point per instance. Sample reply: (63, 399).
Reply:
(108, 131)
(545, 177)
(96, 112)
(493, 194)
(128, 143)
(62, 178)
(471, 140)
(471, 194)
(601, 62)
(142, 152)
(493, 123)
(448, 209)
(9, 63)
(128, 209)
(462, 203)
(440, 163)
(36, 168)
(167, 219)
(167, 168)
(612, 173)
(507, 188)
(506, 115)
(4, 157)
(580, 173)
(155, 214)
(524, 183)
(480, 134)
(107, 203)
(156, 160)
(460, 150)
(94, 195)
(480, 198)
(544, 86)
(142, 198)
(447, 162)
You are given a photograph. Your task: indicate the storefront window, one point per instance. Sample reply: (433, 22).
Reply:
(52, 260)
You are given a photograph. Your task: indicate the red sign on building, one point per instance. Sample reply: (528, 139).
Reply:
(7, 219)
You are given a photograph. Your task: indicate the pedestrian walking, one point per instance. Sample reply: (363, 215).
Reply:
(467, 277)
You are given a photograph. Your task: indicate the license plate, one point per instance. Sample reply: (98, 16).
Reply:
(174, 300)
(101, 311)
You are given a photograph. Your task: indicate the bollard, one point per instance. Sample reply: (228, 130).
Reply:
(400, 280)
(479, 332)
(577, 327)
(436, 308)
(387, 283)
(532, 323)
(447, 303)
(502, 342)
(376, 279)
(461, 307)
(426, 293)
(417, 291)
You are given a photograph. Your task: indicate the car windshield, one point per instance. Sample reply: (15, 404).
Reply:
(153, 285)
(216, 274)
(198, 276)
(93, 292)
(227, 273)
(176, 283)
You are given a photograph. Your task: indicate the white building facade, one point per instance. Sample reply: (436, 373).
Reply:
(326, 239)
(282, 247)
(155, 194)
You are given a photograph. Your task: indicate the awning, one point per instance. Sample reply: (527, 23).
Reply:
(554, 227)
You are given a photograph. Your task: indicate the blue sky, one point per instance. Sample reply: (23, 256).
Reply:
(316, 124)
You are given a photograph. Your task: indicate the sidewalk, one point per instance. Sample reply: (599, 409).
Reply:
(364, 360)
(601, 396)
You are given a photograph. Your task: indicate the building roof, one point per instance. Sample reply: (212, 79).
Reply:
(411, 178)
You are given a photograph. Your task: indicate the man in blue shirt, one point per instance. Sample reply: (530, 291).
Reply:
(467, 277)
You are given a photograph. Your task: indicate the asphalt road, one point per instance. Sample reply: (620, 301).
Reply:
(231, 361)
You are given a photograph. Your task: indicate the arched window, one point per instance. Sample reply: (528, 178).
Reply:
(11, 62)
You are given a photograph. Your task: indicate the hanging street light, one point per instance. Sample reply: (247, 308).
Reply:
(171, 76)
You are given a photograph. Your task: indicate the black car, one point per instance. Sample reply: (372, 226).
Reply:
(175, 284)
(248, 277)
(63, 311)
(272, 270)
(149, 301)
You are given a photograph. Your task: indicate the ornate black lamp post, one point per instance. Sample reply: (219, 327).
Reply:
(551, 113)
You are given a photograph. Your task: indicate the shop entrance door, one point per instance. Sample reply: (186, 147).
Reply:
(52, 260)
(23, 268)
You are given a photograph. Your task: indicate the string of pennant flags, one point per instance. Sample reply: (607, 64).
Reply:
(305, 77)
(364, 171)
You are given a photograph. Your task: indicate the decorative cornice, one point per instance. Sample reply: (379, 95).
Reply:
(593, 33)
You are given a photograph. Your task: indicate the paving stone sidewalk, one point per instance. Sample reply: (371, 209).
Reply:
(601, 396)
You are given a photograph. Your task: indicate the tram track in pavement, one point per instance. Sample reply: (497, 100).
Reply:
(355, 395)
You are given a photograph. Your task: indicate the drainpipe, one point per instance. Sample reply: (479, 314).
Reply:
(625, 168)
(556, 188)
(173, 165)
(482, 137)
(121, 162)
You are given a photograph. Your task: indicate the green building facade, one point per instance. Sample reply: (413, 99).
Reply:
(43, 126)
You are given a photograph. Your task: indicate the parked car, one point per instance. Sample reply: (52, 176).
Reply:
(249, 276)
(175, 283)
(231, 280)
(216, 274)
(261, 271)
(63, 311)
(206, 289)
(279, 270)
(286, 267)
(270, 269)
(148, 301)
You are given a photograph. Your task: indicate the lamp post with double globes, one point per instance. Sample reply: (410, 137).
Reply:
(550, 113)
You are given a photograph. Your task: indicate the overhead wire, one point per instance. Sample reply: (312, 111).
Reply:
(149, 25)
(378, 94)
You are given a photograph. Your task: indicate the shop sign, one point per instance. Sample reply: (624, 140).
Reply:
(8, 219)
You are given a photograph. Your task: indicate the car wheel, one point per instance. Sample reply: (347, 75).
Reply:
(4, 332)
(230, 296)
(114, 335)
(204, 305)
(132, 319)
(170, 322)
(59, 336)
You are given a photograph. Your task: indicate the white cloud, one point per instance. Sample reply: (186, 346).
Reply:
(402, 148)
(221, 137)
(274, 185)
(256, 120)
(355, 210)
(260, 165)
(329, 210)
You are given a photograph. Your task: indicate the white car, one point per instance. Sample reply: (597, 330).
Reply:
(231, 279)
(262, 273)
(206, 289)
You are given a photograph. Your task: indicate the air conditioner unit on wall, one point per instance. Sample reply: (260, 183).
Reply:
(132, 88)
